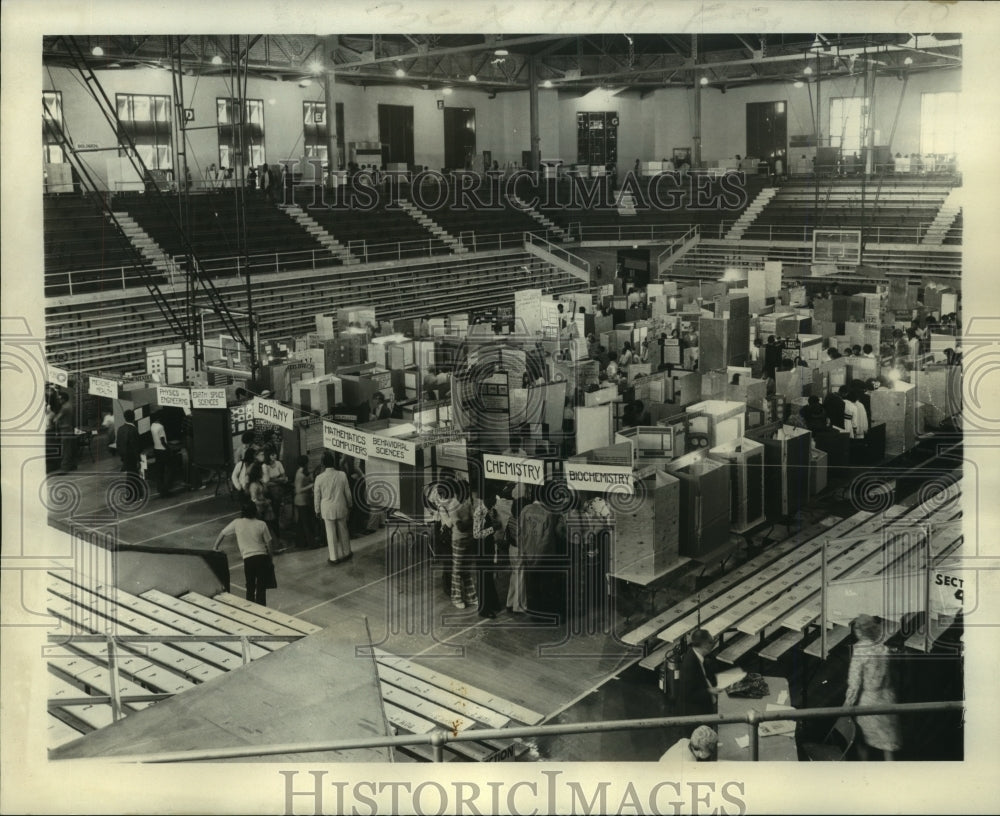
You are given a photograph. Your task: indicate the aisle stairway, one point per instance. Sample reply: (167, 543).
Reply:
(150, 250)
(310, 225)
(945, 217)
(432, 226)
(551, 226)
(748, 216)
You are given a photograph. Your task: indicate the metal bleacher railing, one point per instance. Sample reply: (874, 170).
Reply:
(437, 739)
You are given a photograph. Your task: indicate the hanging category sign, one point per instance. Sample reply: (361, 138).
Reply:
(172, 397)
(599, 478)
(58, 376)
(346, 440)
(208, 397)
(272, 412)
(513, 469)
(100, 387)
(395, 450)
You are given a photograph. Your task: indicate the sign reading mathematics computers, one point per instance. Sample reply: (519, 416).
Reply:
(366, 445)
(599, 478)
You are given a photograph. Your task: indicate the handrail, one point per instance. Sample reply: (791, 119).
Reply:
(627, 232)
(532, 239)
(438, 739)
(695, 231)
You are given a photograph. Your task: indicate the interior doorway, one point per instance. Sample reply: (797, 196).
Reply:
(459, 138)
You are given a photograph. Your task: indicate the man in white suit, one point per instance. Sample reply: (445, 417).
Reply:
(333, 502)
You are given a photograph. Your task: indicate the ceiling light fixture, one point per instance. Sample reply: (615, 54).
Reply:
(547, 83)
(472, 78)
(400, 73)
(703, 80)
(216, 60)
(808, 70)
(908, 61)
(446, 91)
(305, 82)
(97, 51)
(799, 83)
(501, 52)
(315, 67)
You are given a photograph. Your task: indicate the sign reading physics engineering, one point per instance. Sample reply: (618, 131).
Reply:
(100, 387)
(513, 469)
(599, 478)
(169, 397)
(208, 397)
(346, 440)
(272, 412)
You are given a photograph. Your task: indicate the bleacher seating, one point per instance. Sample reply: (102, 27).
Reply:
(96, 333)
(214, 230)
(80, 239)
(894, 211)
(773, 600)
(668, 213)
(479, 230)
(373, 233)
(954, 235)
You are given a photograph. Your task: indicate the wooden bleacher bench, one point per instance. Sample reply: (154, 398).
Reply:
(59, 732)
(91, 716)
(85, 673)
(429, 692)
(508, 708)
(146, 670)
(731, 579)
(655, 658)
(243, 616)
(267, 613)
(834, 637)
(131, 622)
(776, 648)
(209, 618)
(723, 613)
(737, 648)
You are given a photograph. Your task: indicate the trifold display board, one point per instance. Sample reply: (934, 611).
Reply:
(896, 407)
(704, 503)
(594, 427)
(745, 459)
(647, 532)
(786, 467)
(211, 441)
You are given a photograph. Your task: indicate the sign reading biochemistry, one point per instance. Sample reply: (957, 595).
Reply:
(272, 412)
(599, 478)
(513, 469)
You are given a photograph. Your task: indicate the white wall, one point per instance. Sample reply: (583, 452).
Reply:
(648, 129)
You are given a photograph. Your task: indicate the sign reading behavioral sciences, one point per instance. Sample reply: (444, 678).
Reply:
(346, 440)
(272, 412)
(396, 450)
(169, 397)
(599, 478)
(100, 387)
(513, 469)
(208, 397)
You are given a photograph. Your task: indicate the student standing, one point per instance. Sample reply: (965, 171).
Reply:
(254, 541)
(332, 502)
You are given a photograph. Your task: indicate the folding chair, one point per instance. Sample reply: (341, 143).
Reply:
(835, 745)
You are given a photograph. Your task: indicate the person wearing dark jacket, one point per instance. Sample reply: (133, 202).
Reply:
(127, 444)
(696, 685)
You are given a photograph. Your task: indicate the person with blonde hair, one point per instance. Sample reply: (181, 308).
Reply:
(869, 682)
